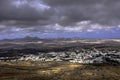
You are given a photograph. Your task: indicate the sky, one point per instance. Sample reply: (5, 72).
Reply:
(59, 18)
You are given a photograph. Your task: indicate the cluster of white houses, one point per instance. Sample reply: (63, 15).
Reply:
(84, 56)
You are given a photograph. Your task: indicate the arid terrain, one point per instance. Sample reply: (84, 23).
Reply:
(64, 59)
(58, 71)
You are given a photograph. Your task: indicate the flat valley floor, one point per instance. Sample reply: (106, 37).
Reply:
(28, 70)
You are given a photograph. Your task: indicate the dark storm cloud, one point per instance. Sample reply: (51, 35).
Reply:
(14, 11)
(100, 11)
(45, 14)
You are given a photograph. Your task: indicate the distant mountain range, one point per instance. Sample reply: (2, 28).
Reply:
(35, 42)
(23, 39)
(28, 38)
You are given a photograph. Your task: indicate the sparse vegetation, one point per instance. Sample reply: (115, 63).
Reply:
(58, 71)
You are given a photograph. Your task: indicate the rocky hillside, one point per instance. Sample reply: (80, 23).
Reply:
(74, 55)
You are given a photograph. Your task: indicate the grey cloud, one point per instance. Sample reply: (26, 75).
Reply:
(24, 12)
(63, 12)
(103, 12)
